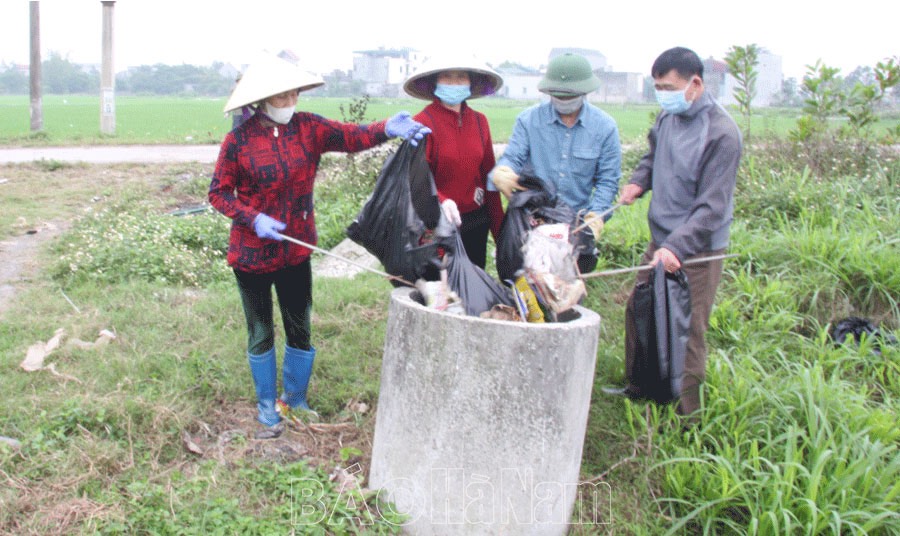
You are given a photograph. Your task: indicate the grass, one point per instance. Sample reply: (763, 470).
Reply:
(75, 119)
(796, 436)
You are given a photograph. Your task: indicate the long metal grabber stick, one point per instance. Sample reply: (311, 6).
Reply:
(643, 267)
(348, 261)
(601, 215)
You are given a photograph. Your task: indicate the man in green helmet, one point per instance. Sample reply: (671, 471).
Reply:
(566, 141)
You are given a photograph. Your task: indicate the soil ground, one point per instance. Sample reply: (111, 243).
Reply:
(229, 435)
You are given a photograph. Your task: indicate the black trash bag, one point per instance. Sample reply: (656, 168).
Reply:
(854, 327)
(478, 291)
(662, 319)
(526, 210)
(401, 211)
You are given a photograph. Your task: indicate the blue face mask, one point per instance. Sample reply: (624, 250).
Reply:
(675, 101)
(452, 94)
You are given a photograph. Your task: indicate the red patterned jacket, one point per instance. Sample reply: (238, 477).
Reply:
(270, 168)
(460, 153)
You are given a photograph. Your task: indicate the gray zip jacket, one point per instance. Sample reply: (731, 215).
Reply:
(692, 169)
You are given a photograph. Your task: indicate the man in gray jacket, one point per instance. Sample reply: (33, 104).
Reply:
(695, 148)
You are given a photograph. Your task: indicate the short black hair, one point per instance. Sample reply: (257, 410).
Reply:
(684, 60)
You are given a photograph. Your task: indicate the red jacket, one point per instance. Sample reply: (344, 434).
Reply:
(460, 153)
(261, 171)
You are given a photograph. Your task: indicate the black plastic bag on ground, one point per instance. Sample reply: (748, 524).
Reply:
(854, 327)
(662, 318)
(402, 209)
(526, 210)
(478, 291)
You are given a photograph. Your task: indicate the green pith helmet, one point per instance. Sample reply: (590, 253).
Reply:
(568, 75)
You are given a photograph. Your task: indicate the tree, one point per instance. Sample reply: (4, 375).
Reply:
(863, 74)
(61, 76)
(790, 93)
(182, 79)
(742, 62)
(13, 81)
(826, 94)
(864, 97)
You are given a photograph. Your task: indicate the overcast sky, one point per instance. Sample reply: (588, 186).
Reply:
(324, 33)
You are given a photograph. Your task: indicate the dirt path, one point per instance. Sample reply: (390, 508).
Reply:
(18, 253)
(18, 259)
(107, 154)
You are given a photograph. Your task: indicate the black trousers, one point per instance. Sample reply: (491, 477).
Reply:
(474, 234)
(293, 285)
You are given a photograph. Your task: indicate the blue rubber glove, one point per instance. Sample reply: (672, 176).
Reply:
(266, 227)
(401, 124)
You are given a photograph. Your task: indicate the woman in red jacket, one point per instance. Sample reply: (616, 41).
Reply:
(263, 181)
(459, 148)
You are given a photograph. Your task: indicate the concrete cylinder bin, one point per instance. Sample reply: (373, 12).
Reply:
(480, 423)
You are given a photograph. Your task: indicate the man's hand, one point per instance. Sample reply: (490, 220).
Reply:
(630, 193)
(595, 222)
(506, 180)
(669, 260)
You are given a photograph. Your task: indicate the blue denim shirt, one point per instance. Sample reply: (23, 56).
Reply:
(584, 161)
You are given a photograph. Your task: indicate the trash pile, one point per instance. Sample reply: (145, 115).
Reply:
(542, 248)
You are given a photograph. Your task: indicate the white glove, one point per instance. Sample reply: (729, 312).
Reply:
(506, 180)
(451, 212)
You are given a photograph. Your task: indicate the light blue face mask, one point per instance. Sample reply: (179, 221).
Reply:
(452, 94)
(673, 101)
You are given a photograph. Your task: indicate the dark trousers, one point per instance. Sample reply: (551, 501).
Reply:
(474, 234)
(703, 280)
(293, 285)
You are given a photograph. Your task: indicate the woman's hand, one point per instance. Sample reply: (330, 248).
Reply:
(402, 125)
(266, 227)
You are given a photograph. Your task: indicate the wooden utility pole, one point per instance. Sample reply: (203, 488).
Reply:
(107, 76)
(34, 69)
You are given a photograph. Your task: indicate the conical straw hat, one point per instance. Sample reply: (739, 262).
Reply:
(270, 75)
(484, 80)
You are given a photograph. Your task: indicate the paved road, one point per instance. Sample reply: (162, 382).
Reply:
(111, 154)
(106, 154)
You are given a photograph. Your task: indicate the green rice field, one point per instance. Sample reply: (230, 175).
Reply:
(75, 119)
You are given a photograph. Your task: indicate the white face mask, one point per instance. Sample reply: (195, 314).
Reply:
(566, 106)
(279, 115)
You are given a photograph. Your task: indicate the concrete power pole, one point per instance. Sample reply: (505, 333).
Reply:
(107, 76)
(34, 69)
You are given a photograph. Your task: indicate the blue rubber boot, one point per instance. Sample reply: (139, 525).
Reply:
(265, 375)
(296, 372)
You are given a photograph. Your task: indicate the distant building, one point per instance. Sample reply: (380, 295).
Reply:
(384, 70)
(619, 88)
(615, 87)
(519, 82)
(769, 80)
(594, 57)
(229, 71)
(714, 73)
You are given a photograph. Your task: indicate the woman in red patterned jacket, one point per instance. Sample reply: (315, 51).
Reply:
(460, 151)
(263, 181)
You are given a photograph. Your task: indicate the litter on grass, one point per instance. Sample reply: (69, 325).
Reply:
(38, 352)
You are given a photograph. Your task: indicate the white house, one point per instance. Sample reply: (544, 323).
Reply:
(520, 82)
(769, 81)
(385, 70)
